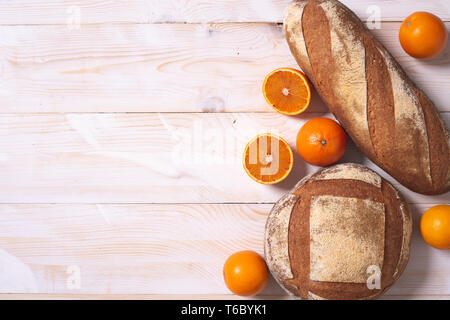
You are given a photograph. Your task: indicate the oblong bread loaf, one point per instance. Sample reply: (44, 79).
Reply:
(336, 233)
(387, 116)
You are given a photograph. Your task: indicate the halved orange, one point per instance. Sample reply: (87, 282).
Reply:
(287, 90)
(268, 159)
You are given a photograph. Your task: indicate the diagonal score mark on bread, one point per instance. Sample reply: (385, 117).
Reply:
(382, 110)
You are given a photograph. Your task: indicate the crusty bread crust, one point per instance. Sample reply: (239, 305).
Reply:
(276, 248)
(383, 111)
(297, 249)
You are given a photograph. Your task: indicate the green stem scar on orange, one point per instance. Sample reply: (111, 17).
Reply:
(321, 142)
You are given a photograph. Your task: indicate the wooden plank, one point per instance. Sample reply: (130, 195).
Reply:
(156, 249)
(46, 296)
(186, 297)
(154, 11)
(164, 68)
(147, 158)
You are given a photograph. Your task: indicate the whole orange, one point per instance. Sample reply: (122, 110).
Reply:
(435, 226)
(423, 35)
(321, 142)
(245, 273)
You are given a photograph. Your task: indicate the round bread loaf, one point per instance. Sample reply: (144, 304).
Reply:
(341, 233)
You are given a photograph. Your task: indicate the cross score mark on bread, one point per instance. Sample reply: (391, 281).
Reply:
(322, 236)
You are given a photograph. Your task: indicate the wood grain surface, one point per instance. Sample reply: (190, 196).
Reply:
(192, 11)
(164, 67)
(157, 249)
(46, 296)
(147, 158)
(122, 127)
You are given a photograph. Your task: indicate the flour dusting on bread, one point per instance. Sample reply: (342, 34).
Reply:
(347, 66)
(350, 171)
(347, 236)
(276, 249)
(348, 215)
(294, 13)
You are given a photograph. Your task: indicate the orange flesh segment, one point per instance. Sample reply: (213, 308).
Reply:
(271, 159)
(288, 91)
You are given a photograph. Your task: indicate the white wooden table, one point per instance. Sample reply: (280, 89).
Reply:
(122, 127)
